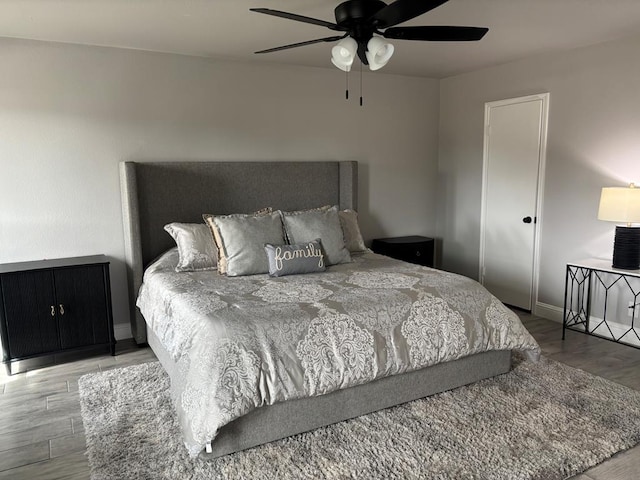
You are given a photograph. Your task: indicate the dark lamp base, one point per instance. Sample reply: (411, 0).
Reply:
(626, 248)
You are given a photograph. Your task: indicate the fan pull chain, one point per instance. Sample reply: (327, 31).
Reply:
(360, 83)
(346, 73)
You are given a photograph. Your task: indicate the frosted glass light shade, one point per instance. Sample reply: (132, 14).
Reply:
(620, 204)
(378, 53)
(343, 53)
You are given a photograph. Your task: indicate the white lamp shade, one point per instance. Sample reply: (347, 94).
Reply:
(344, 68)
(378, 53)
(620, 204)
(343, 53)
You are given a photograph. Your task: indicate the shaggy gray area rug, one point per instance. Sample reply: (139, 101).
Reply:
(540, 421)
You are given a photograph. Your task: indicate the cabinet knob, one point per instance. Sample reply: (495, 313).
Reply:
(418, 253)
(53, 310)
(61, 309)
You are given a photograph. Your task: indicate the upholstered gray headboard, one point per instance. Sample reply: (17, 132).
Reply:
(154, 194)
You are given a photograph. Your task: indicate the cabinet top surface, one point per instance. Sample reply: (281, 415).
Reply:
(53, 263)
(603, 265)
(407, 239)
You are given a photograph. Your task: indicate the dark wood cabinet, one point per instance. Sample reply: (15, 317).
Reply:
(412, 249)
(54, 310)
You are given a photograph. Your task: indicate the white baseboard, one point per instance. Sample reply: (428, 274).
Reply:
(551, 312)
(122, 331)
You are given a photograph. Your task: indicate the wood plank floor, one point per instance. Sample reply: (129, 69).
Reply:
(41, 431)
(42, 437)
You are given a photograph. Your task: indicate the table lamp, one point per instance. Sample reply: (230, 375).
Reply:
(622, 205)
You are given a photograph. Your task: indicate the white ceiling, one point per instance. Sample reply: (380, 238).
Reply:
(226, 29)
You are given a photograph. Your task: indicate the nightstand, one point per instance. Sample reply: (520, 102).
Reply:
(55, 310)
(412, 249)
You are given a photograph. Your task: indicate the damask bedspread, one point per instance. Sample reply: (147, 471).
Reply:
(243, 342)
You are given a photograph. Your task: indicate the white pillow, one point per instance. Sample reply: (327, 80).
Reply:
(208, 220)
(324, 224)
(352, 236)
(196, 248)
(241, 240)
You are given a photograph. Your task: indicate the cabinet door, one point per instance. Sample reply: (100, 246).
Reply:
(31, 324)
(81, 306)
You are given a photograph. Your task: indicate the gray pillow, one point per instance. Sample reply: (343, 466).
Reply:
(196, 248)
(292, 259)
(243, 237)
(352, 236)
(222, 260)
(324, 224)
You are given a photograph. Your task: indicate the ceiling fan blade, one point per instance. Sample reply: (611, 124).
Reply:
(297, 18)
(436, 33)
(403, 10)
(302, 44)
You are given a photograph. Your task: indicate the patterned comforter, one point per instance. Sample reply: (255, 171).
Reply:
(243, 342)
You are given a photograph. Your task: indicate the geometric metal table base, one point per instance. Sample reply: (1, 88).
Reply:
(596, 282)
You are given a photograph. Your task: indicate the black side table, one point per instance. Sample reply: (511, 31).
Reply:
(412, 249)
(55, 310)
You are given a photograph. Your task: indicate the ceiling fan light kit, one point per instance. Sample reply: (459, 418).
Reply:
(378, 53)
(365, 24)
(344, 53)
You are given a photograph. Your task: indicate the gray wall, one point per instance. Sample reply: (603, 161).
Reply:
(69, 114)
(593, 141)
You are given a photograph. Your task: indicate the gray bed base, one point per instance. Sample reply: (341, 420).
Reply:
(273, 422)
(154, 194)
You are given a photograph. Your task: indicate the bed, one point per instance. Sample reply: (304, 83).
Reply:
(288, 396)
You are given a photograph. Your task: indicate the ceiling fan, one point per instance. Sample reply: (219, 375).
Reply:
(366, 22)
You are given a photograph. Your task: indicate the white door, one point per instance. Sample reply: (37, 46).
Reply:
(514, 152)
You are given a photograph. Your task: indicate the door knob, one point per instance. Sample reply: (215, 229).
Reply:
(527, 219)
